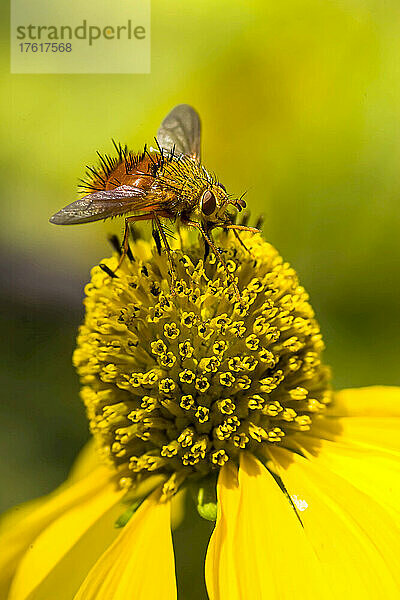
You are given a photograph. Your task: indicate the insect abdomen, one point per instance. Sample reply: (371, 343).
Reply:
(138, 174)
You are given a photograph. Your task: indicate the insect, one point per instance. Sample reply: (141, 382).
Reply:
(167, 183)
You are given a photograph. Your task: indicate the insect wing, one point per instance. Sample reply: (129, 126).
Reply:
(181, 129)
(101, 205)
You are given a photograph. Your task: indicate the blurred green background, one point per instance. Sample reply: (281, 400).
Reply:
(300, 103)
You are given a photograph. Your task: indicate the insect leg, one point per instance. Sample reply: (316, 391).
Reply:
(241, 242)
(235, 229)
(157, 239)
(178, 228)
(208, 239)
(124, 246)
(168, 250)
(125, 241)
(206, 250)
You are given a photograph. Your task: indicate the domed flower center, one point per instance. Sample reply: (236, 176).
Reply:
(180, 384)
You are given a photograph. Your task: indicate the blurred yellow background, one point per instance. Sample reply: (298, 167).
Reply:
(300, 105)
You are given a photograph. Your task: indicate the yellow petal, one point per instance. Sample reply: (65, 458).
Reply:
(139, 564)
(375, 472)
(364, 450)
(275, 556)
(355, 539)
(60, 557)
(259, 549)
(220, 563)
(369, 417)
(21, 525)
(373, 401)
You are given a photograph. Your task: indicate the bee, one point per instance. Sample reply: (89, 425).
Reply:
(166, 183)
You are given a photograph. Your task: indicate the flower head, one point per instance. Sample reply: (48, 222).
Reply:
(181, 387)
(181, 384)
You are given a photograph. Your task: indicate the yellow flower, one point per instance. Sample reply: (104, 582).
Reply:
(232, 400)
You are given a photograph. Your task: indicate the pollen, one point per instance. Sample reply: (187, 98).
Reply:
(180, 384)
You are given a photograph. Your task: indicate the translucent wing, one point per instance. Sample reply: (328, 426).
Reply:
(181, 128)
(103, 204)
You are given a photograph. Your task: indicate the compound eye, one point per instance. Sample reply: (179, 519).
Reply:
(208, 203)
